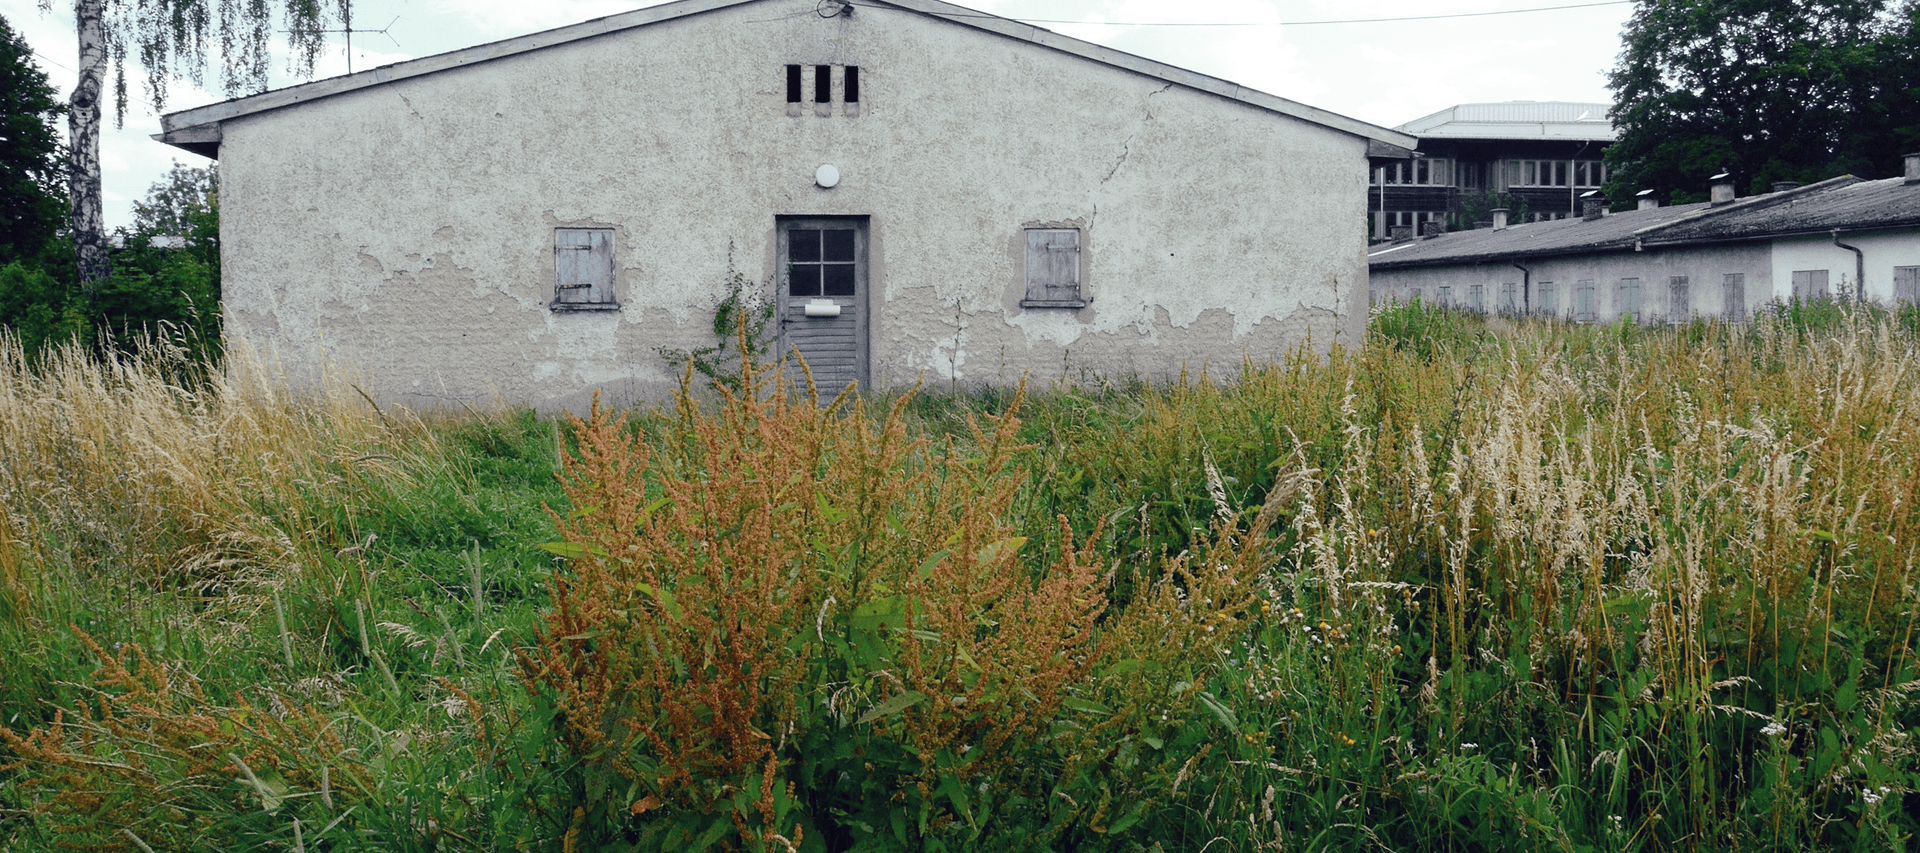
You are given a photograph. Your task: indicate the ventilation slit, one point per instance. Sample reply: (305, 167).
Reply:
(853, 84)
(823, 84)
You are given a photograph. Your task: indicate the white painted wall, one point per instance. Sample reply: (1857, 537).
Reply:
(406, 230)
(1882, 251)
(1705, 267)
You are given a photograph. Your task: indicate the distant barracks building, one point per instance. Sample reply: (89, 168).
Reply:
(1840, 238)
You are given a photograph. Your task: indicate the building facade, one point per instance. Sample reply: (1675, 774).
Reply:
(921, 190)
(1841, 238)
(1542, 154)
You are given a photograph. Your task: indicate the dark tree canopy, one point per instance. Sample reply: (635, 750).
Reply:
(32, 204)
(1767, 90)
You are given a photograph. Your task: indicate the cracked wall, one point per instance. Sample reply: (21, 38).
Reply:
(407, 229)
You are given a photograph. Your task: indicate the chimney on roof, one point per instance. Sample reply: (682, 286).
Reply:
(1783, 186)
(1722, 189)
(1499, 218)
(1432, 228)
(1913, 168)
(1593, 205)
(1647, 200)
(1400, 233)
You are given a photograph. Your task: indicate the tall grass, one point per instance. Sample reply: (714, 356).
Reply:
(1482, 584)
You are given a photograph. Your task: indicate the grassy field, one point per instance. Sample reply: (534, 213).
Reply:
(1480, 585)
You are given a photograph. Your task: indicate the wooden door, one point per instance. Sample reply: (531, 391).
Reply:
(823, 298)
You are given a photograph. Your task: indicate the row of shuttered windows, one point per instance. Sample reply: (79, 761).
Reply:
(1582, 304)
(1807, 284)
(821, 265)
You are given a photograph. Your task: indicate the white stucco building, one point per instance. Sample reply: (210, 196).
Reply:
(1843, 238)
(924, 190)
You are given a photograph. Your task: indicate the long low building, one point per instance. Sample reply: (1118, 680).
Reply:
(1843, 237)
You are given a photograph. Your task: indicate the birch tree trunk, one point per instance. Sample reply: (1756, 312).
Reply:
(83, 133)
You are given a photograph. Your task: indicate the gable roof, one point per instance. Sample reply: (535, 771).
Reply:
(198, 129)
(1844, 203)
(1574, 120)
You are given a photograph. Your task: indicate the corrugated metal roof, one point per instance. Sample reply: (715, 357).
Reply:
(1517, 120)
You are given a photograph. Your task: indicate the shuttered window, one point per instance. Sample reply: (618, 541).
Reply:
(583, 269)
(1629, 298)
(1545, 300)
(1733, 296)
(1809, 284)
(1679, 301)
(1510, 297)
(1906, 285)
(1053, 269)
(1583, 307)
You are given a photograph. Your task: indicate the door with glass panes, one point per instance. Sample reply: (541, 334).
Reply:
(823, 298)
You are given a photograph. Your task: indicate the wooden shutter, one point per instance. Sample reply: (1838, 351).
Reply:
(583, 267)
(1053, 268)
(1583, 301)
(1809, 284)
(1733, 296)
(1679, 301)
(1906, 285)
(1629, 297)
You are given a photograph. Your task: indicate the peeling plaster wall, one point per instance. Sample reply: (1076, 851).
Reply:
(407, 229)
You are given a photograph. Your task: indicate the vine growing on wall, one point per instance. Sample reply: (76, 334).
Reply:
(742, 329)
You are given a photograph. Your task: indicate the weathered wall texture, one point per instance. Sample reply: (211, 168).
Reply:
(1706, 269)
(407, 229)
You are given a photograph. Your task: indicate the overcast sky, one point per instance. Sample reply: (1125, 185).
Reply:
(1387, 72)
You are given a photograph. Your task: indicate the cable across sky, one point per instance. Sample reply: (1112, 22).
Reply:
(1281, 23)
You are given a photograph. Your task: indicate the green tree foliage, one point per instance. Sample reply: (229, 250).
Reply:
(165, 281)
(1479, 207)
(1768, 90)
(31, 202)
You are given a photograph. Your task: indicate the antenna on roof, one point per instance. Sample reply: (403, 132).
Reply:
(349, 30)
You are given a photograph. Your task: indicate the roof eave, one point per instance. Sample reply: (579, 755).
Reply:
(1507, 257)
(203, 139)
